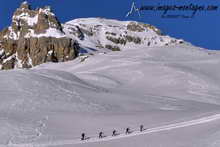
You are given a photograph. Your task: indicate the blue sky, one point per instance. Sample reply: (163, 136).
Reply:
(203, 30)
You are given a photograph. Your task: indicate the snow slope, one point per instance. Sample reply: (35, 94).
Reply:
(172, 90)
(134, 133)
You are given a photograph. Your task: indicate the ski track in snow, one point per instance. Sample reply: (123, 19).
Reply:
(135, 133)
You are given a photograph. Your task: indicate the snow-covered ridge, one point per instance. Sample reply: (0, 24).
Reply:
(116, 35)
(51, 32)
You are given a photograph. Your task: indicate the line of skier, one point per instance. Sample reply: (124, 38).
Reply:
(114, 133)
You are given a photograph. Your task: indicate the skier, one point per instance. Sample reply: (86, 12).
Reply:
(141, 128)
(127, 131)
(114, 133)
(83, 136)
(100, 134)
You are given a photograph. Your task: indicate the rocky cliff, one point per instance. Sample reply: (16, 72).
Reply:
(34, 37)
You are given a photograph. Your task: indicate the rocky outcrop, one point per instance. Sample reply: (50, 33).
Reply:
(34, 37)
(140, 27)
(113, 48)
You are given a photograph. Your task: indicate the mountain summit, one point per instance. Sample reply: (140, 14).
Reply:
(34, 37)
(101, 33)
(37, 36)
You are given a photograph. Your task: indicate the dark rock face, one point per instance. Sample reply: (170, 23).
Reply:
(113, 48)
(140, 27)
(34, 37)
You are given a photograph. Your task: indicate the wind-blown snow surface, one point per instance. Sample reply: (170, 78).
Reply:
(174, 91)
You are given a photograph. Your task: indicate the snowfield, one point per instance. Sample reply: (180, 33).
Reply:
(174, 91)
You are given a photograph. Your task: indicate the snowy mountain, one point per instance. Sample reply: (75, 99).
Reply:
(165, 84)
(100, 34)
(36, 37)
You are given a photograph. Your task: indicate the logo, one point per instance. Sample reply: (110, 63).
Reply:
(133, 10)
(174, 10)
